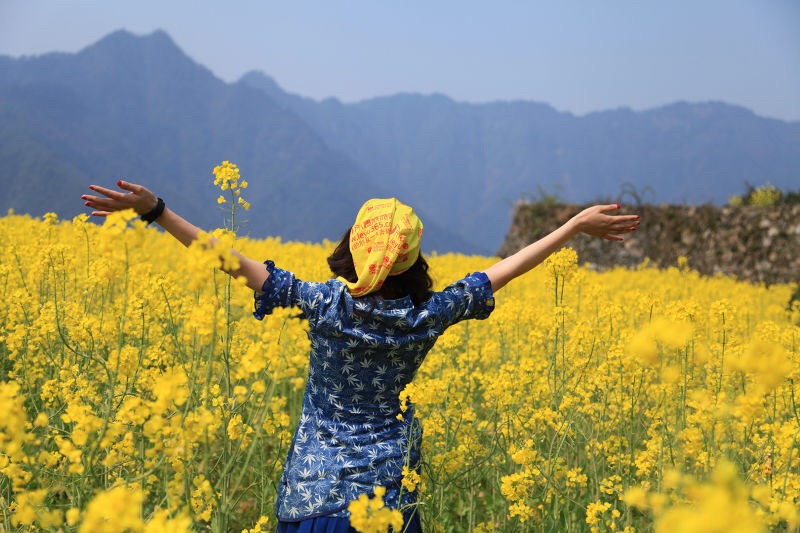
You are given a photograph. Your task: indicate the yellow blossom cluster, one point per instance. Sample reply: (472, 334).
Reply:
(723, 502)
(227, 178)
(370, 515)
(138, 393)
(411, 479)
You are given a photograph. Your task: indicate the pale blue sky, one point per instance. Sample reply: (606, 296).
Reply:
(576, 56)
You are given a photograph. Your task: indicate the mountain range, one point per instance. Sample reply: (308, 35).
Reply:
(138, 108)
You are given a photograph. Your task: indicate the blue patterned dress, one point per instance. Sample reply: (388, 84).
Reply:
(363, 353)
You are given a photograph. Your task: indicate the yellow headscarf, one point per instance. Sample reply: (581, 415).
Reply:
(384, 241)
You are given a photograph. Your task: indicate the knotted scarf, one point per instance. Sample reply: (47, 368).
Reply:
(384, 242)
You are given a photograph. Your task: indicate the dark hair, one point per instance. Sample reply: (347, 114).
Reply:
(414, 282)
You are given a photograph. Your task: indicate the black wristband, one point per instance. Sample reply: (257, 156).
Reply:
(154, 213)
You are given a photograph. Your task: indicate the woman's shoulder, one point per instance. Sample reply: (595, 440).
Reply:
(476, 281)
(468, 297)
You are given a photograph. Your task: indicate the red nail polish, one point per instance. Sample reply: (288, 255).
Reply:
(617, 206)
(119, 183)
(87, 204)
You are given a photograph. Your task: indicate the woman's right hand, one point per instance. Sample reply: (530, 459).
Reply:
(136, 197)
(141, 200)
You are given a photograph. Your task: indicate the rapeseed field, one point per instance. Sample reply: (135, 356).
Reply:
(137, 393)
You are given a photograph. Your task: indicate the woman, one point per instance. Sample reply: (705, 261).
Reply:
(370, 329)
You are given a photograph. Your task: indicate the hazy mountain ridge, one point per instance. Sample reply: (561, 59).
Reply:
(146, 112)
(139, 108)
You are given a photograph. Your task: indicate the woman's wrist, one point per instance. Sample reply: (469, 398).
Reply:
(573, 225)
(154, 213)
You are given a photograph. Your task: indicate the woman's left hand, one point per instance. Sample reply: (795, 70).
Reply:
(594, 221)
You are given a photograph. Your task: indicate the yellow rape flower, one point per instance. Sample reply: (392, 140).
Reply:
(29, 510)
(237, 428)
(203, 498)
(226, 175)
(563, 263)
(161, 522)
(41, 420)
(410, 479)
(636, 497)
(595, 511)
(117, 509)
(369, 515)
(73, 515)
(522, 511)
(767, 362)
(262, 526)
(649, 342)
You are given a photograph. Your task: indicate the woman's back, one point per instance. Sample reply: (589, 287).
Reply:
(364, 351)
(363, 357)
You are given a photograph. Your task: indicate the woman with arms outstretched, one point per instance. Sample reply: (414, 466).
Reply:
(370, 327)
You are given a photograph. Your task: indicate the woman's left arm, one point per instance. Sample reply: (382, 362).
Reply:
(592, 221)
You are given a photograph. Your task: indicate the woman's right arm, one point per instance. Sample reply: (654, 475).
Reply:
(142, 200)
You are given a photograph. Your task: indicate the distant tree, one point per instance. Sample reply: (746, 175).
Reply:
(791, 197)
(628, 189)
(544, 196)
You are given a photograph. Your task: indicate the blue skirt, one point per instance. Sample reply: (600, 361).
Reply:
(328, 524)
